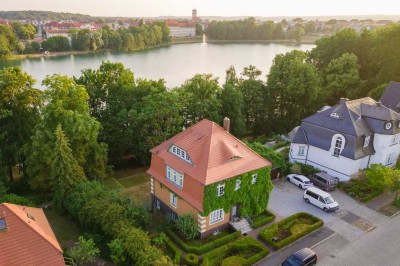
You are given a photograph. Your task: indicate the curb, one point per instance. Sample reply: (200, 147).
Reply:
(397, 213)
(322, 241)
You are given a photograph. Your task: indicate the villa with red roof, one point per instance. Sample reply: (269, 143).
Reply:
(26, 237)
(207, 172)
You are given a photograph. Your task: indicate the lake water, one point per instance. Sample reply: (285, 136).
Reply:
(174, 63)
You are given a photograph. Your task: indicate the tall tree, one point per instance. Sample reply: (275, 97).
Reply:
(65, 171)
(66, 105)
(293, 88)
(201, 99)
(253, 90)
(342, 78)
(20, 104)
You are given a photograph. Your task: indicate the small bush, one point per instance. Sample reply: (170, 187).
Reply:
(234, 253)
(191, 259)
(262, 219)
(187, 226)
(297, 226)
(295, 169)
(203, 248)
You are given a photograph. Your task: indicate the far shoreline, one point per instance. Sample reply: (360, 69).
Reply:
(184, 40)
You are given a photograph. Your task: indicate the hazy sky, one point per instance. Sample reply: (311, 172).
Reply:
(153, 8)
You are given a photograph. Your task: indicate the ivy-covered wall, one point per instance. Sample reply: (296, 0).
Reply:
(253, 198)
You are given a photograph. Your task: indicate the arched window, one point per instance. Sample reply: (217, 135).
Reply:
(338, 146)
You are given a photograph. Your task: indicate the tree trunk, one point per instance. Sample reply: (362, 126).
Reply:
(10, 173)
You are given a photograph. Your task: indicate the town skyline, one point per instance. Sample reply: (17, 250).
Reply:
(153, 8)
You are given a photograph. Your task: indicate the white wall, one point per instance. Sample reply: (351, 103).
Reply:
(340, 167)
(383, 147)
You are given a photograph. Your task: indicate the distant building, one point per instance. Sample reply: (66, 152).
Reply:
(194, 14)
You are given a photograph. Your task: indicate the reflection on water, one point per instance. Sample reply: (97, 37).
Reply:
(174, 63)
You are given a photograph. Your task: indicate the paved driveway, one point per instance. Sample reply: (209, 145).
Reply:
(349, 223)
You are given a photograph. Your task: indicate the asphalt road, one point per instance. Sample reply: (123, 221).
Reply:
(380, 246)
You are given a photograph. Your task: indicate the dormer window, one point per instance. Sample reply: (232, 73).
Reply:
(181, 153)
(334, 115)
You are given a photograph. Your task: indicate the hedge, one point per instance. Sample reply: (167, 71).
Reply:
(262, 219)
(268, 233)
(178, 254)
(198, 250)
(216, 255)
(191, 259)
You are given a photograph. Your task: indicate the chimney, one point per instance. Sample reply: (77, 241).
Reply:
(343, 100)
(227, 123)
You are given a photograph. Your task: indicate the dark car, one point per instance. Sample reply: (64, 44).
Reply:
(303, 257)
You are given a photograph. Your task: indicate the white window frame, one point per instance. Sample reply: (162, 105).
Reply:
(173, 200)
(174, 176)
(158, 204)
(301, 150)
(238, 183)
(217, 216)
(181, 153)
(337, 149)
(391, 158)
(220, 190)
(366, 141)
(254, 179)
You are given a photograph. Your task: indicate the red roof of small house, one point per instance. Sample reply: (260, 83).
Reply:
(27, 238)
(216, 155)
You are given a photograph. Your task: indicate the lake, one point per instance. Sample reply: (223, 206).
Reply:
(175, 63)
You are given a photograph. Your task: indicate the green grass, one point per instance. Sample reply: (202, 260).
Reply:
(134, 180)
(113, 184)
(64, 227)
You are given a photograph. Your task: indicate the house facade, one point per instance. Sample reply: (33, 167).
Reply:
(207, 172)
(348, 137)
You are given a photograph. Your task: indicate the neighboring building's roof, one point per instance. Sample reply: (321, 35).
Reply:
(28, 238)
(354, 119)
(215, 153)
(391, 96)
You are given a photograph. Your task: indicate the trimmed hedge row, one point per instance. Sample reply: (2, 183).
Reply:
(178, 254)
(191, 259)
(215, 256)
(262, 219)
(198, 250)
(268, 233)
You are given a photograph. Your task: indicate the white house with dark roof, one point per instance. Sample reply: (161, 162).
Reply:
(348, 137)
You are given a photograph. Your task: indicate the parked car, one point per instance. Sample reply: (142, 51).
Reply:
(324, 181)
(303, 257)
(299, 180)
(320, 199)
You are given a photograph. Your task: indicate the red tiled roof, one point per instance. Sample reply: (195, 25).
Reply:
(215, 153)
(27, 241)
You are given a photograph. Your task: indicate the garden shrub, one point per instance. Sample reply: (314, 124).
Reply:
(191, 259)
(178, 254)
(360, 189)
(187, 226)
(297, 232)
(223, 255)
(262, 219)
(203, 248)
(15, 199)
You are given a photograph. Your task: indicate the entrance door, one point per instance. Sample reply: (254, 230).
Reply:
(234, 212)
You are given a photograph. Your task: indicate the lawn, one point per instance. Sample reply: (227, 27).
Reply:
(113, 184)
(140, 194)
(134, 180)
(64, 227)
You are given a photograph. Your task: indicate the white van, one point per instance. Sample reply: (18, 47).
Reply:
(320, 199)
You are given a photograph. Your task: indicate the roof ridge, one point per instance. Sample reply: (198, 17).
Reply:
(30, 226)
(209, 148)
